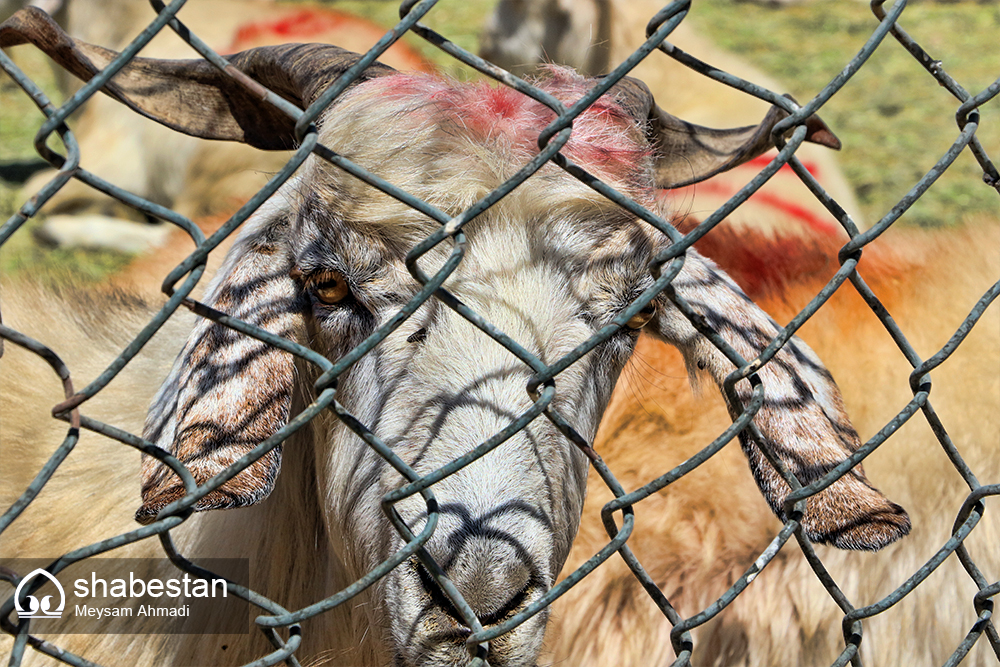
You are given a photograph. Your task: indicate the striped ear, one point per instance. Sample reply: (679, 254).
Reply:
(227, 392)
(803, 419)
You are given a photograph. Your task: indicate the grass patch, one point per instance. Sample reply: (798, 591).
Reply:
(20, 119)
(19, 122)
(893, 117)
(460, 22)
(21, 255)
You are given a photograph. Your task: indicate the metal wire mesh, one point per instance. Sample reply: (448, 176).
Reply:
(179, 284)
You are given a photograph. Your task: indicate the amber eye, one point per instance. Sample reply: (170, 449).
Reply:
(330, 287)
(640, 319)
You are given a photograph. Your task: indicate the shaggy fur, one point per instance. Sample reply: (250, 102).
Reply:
(697, 536)
(551, 264)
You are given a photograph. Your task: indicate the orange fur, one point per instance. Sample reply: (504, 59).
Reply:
(697, 536)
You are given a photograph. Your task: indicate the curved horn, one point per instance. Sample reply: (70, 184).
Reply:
(193, 96)
(691, 153)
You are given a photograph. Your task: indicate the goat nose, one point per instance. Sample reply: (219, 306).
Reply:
(494, 578)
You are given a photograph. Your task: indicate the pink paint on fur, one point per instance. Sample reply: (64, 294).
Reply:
(605, 140)
(786, 206)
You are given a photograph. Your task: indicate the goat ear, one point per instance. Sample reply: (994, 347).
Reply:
(690, 153)
(228, 392)
(803, 418)
(193, 96)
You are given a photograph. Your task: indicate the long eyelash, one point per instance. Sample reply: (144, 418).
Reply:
(326, 277)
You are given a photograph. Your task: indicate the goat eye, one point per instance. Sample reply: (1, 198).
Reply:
(640, 319)
(331, 287)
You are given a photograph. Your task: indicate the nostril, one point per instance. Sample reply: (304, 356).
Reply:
(498, 615)
(512, 607)
(438, 597)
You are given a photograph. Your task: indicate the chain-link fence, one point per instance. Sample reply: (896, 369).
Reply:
(282, 626)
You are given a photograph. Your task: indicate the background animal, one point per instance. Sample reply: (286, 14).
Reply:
(196, 178)
(912, 263)
(699, 535)
(594, 36)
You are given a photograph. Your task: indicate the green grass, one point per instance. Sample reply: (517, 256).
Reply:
(461, 22)
(19, 117)
(21, 255)
(894, 120)
(19, 122)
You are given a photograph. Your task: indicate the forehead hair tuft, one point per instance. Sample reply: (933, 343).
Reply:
(605, 140)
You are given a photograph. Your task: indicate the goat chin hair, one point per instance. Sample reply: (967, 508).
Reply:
(695, 538)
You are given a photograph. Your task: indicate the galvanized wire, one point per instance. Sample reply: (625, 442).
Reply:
(180, 283)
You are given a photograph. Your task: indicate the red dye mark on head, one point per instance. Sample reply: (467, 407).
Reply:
(497, 102)
(604, 139)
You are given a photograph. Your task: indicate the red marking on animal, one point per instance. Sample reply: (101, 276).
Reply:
(315, 24)
(762, 161)
(784, 205)
(604, 137)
